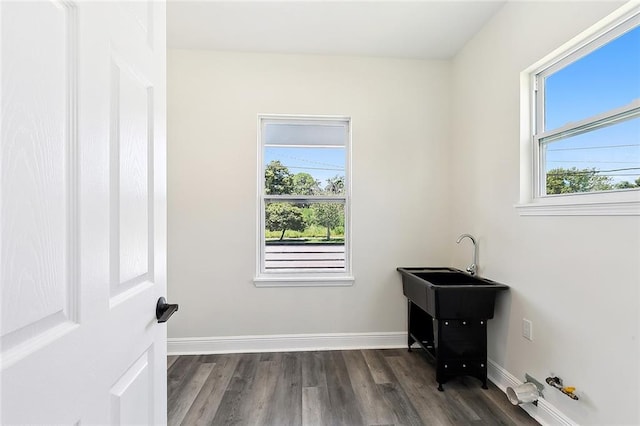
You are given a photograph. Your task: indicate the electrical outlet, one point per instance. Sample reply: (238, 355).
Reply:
(527, 329)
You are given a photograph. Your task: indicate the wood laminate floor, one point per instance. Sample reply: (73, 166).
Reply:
(350, 388)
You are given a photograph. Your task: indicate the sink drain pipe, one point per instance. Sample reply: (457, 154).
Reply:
(528, 392)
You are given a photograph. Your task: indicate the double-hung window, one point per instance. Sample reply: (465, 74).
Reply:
(585, 118)
(304, 193)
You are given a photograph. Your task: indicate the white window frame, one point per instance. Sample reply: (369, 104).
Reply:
(533, 200)
(302, 278)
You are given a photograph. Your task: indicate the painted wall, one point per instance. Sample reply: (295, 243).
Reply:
(400, 124)
(424, 171)
(576, 278)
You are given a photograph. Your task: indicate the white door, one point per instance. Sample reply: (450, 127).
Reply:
(83, 216)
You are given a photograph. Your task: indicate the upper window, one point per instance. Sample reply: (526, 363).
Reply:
(586, 131)
(304, 199)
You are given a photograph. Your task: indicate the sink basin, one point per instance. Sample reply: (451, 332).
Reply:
(449, 293)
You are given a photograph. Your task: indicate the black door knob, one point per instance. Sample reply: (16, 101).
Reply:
(164, 310)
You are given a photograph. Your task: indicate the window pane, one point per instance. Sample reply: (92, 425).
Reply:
(305, 134)
(600, 160)
(304, 236)
(605, 79)
(304, 171)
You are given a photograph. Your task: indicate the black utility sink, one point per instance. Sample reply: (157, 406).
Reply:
(447, 316)
(448, 293)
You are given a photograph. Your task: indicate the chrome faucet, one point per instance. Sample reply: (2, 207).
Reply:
(473, 268)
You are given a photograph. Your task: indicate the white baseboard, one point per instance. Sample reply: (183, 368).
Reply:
(285, 343)
(544, 413)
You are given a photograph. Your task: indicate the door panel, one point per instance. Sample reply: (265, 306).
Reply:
(39, 178)
(83, 214)
(131, 394)
(131, 178)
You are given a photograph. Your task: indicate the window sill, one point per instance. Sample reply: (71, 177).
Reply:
(611, 204)
(301, 281)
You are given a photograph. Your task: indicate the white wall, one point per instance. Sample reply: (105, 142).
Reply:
(400, 113)
(576, 278)
(421, 177)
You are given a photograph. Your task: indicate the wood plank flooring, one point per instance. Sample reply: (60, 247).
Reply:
(350, 388)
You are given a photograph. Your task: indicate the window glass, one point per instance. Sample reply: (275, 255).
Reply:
(304, 236)
(304, 209)
(605, 79)
(304, 133)
(304, 171)
(604, 159)
(588, 116)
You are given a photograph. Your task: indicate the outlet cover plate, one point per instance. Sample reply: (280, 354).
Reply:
(527, 329)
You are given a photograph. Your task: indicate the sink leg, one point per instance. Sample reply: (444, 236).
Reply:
(410, 339)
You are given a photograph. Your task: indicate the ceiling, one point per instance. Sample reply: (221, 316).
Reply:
(424, 29)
